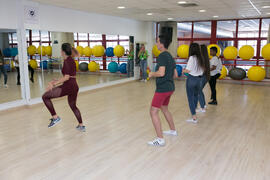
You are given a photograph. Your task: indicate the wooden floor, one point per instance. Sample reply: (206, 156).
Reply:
(41, 81)
(230, 142)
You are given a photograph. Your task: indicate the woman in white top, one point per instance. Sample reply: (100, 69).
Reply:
(196, 68)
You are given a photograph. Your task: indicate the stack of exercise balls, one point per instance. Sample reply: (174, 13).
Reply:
(113, 67)
(41, 50)
(33, 63)
(223, 73)
(155, 51)
(183, 51)
(87, 51)
(266, 52)
(31, 50)
(98, 51)
(80, 50)
(119, 51)
(109, 52)
(93, 66)
(246, 52)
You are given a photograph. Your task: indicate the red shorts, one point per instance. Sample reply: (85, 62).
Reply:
(161, 99)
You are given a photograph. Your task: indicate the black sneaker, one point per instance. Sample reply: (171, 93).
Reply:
(54, 122)
(81, 128)
(18, 83)
(213, 103)
(32, 80)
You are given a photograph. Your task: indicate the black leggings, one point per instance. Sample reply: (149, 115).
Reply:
(212, 83)
(60, 92)
(31, 70)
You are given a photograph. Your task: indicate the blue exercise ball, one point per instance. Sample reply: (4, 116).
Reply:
(123, 68)
(109, 52)
(7, 52)
(179, 70)
(44, 64)
(14, 52)
(113, 67)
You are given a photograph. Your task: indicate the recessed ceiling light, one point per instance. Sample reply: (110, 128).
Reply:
(170, 18)
(182, 2)
(121, 7)
(265, 7)
(215, 16)
(202, 10)
(149, 14)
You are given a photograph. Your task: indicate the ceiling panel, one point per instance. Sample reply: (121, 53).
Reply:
(162, 9)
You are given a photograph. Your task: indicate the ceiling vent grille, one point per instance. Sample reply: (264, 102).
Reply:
(188, 5)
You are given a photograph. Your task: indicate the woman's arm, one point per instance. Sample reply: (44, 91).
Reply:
(186, 71)
(175, 73)
(55, 83)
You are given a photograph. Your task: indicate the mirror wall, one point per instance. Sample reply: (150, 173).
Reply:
(103, 58)
(10, 89)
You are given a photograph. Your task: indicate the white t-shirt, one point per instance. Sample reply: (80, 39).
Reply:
(193, 67)
(215, 61)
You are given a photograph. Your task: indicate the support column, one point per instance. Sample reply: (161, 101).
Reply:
(174, 44)
(268, 62)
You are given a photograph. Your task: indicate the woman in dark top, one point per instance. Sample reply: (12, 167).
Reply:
(165, 73)
(68, 88)
(2, 69)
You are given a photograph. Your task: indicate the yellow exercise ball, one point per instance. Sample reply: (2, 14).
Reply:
(213, 45)
(97, 67)
(98, 51)
(224, 72)
(92, 66)
(41, 48)
(31, 50)
(119, 51)
(256, 73)
(246, 52)
(80, 49)
(48, 50)
(183, 51)
(77, 65)
(155, 51)
(87, 51)
(33, 63)
(230, 52)
(266, 52)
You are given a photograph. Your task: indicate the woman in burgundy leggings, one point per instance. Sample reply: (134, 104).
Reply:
(68, 87)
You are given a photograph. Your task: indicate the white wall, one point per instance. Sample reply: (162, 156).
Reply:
(8, 14)
(67, 20)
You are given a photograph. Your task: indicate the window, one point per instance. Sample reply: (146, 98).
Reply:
(226, 29)
(124, 37)
(125, 44)
(35, 35)
(95, 36)
(92, 44)
(224, 44)
(111, 44)
(83, 44)
(248, 28)
(111, 37)
(184, 30)
(265, 27)
(183, 42)
(83, 36)
(202, 30)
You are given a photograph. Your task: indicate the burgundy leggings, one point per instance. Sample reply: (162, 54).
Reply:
(60, 92)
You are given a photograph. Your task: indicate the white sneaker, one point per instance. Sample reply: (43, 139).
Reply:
(195, 121)
(142, 80)
(170, 133)
(200, 110)
(145, 80)
(157, 142)
(5, 86)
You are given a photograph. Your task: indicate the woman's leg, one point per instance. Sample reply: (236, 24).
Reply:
(145, 70)
(190, 88)
(72, 100)
(18, 76)
(31, 73)
(5, 75)
(54, 93)
(201, 93)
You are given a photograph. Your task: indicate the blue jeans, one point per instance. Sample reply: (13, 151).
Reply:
(143, 64)
(201, 97)
(193, 86)
(4, 71)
